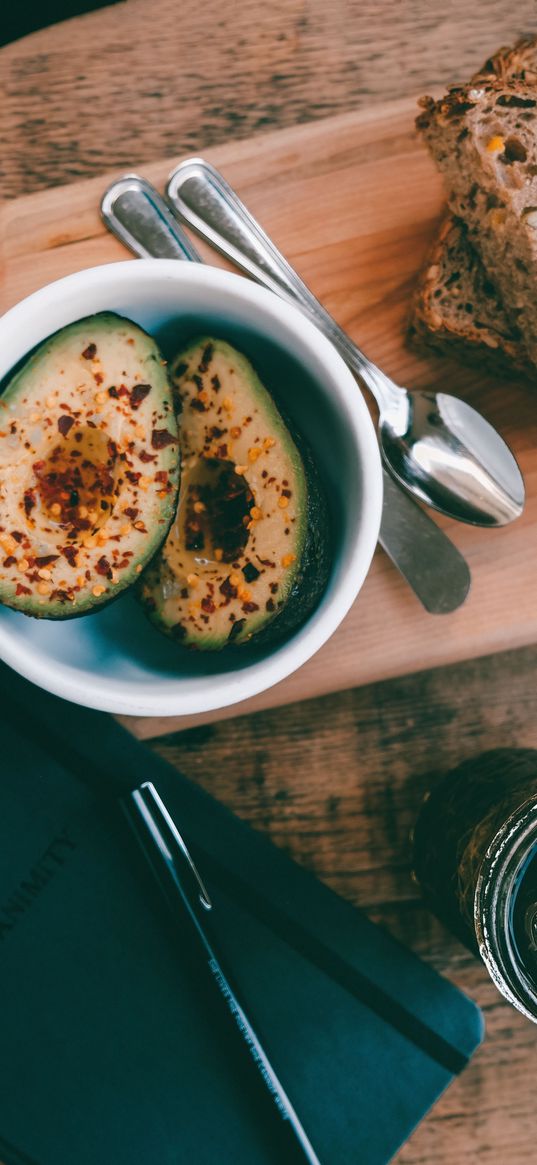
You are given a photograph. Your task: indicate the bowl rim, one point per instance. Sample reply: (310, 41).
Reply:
(170, 696)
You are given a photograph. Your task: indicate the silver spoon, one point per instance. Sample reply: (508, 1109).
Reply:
(436, 446)
(424, 555)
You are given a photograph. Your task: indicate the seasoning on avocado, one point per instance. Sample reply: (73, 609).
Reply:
(251, 511)
(70, 455)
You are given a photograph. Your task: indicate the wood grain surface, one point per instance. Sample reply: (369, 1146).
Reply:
(149, 78)
(336, 781)
(352, 200)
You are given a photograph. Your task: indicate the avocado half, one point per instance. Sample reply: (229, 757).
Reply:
(248, 555)
(90, 468)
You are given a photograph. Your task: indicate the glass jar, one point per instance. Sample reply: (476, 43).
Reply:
(475, 859)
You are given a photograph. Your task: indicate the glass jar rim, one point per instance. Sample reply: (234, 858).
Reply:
(494, 899)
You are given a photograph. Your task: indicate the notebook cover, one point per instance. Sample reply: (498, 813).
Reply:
(114, 1048)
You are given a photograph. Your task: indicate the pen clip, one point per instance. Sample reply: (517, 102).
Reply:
(173, 849)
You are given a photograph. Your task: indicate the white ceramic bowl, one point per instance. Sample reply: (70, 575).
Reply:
(115, 660)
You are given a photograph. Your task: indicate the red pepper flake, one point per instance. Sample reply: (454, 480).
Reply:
(71, 554)
(131, 512)
(45, 560)
(16, 534)
(65, 423)
(112, 449)
(208, 606)
(273, 588)
(123, 390)
(162, 476)
(160, 438)
(28, 502)
(90, 352)
(63, 596)
(10, 560)
(146, 457)
(207, 355)
(270, 605)
(21, 590)
(98, 378)
(222, 450)
(226, 589)
(113, 392)
(286, 493)
(38, 466)
(103, 567)
(138, 394)
(132, 476)
(249, 607)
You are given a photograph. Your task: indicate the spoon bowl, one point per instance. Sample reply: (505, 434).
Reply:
(456, 460)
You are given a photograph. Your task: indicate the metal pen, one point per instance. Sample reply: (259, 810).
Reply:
(178, 877)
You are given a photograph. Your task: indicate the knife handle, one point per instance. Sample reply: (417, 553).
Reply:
(432, 566)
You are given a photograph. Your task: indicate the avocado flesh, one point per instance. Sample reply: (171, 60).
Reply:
(89, 468)
(248, 554)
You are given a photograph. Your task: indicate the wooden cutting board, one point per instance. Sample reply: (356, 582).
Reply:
(353, 202)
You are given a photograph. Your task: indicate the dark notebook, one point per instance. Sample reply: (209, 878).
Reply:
(113, 1050)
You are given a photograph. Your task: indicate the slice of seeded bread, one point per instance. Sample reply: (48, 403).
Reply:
(456, 308)
(482, 138)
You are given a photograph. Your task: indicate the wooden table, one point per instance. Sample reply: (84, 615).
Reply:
(337, 782)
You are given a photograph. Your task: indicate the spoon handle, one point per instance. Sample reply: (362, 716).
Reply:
(204, 201)
(138, 216)
(429, 562)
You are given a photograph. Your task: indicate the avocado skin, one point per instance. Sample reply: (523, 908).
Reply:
(62, 612)
(315, 562)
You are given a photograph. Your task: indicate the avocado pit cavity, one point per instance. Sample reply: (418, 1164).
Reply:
(214, 512)
(75, 486)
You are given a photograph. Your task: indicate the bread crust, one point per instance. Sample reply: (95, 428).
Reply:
(485, 336)
(483, 141)
(440, 318)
